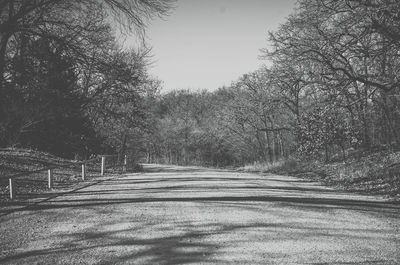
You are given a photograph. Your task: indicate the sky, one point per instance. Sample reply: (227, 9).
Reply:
(207, 44)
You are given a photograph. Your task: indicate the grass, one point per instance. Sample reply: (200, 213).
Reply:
(262, 166)
(373, 173)
(65, 176)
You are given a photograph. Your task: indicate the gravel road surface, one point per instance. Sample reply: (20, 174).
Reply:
(182, 215)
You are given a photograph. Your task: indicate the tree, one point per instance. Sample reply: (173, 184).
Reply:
(322, 129)
(346, 57)
(77, 64)
(32, 17)
(117, 104)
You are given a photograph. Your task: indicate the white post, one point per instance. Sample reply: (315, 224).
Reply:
(125, 163)
(50, 178)
(83, 171)
(11, 186)
(103, 165)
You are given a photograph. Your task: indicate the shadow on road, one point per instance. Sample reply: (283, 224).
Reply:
(199, 241)
(288, 201)
(173, 180)
(191, 244)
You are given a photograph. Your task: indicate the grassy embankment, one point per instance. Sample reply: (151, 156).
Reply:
(66, 176)
(373, 173)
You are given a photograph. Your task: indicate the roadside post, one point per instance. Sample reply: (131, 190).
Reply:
(83, 171)
(103, 165)
(11, 186)
(125, 163)
(50, 178)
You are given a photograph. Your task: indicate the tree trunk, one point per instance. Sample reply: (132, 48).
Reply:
(4, 37)
(389, 116)
(123, 147)
(261, 146)
(280, 142)
(273, 141)
(270, 155)
(273, 146)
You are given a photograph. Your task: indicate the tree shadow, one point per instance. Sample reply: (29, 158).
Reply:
(292, 201)
(188, 243)
(233, 189)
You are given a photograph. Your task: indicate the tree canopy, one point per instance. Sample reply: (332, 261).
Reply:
(66, 86)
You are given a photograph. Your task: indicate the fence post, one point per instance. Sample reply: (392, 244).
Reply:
(103, 165)
(125, 163)
(83, 171)
(50, 178)
(12, 190)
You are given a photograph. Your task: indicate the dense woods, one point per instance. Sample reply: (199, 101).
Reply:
(67, 86)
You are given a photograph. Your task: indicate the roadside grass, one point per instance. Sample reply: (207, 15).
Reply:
(66, 176)
(262, 166)
(373, 173)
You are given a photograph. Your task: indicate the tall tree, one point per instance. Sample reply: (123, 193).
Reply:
(77, 61)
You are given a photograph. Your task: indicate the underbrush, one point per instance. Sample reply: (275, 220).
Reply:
(376, 173)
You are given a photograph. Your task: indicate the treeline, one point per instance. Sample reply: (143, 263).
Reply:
(334, 86)
(66, 86)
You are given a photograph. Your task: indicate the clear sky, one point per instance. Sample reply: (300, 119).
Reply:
(205, 44)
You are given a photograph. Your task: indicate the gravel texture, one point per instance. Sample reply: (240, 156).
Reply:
(182, 215)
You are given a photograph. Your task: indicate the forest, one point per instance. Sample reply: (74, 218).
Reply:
(330, 86)
(68, 86)
(332, 90)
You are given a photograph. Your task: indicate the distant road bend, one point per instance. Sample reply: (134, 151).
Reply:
(187, 215)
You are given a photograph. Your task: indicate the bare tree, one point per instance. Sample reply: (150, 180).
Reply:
(30, 16)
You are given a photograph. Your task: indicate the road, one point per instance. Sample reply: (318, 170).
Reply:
(182, 215)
